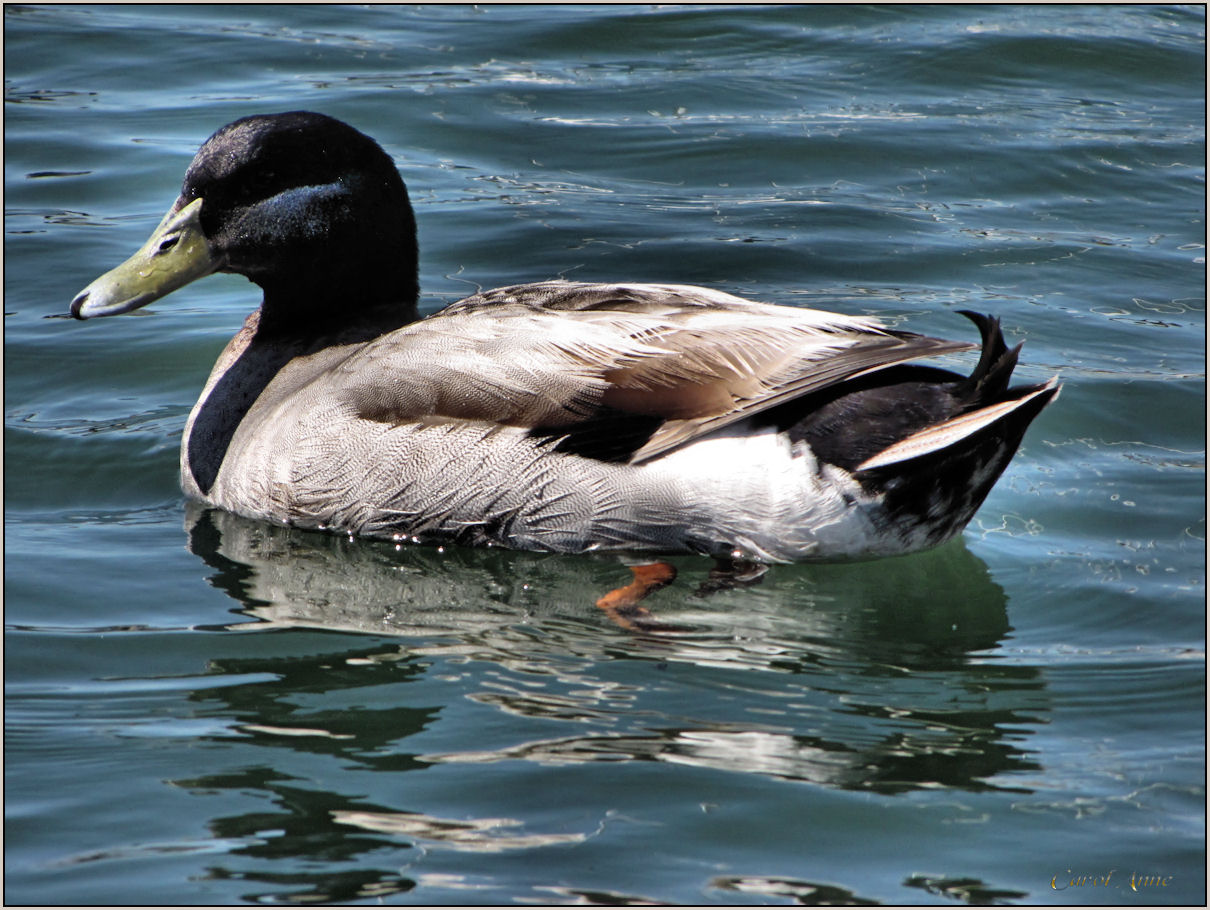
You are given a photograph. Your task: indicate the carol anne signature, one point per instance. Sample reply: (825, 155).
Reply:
(1135, 882)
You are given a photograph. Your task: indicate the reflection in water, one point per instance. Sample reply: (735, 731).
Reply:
(865, 677)
(581, 897)
(808, 894)
(302, 826)
(968, 890)
(478, 835)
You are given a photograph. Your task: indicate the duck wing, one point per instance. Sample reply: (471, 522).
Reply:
(585, 361)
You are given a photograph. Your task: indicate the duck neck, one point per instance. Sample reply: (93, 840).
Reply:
(366, 299)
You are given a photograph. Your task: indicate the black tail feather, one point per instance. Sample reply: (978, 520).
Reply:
(989, 380)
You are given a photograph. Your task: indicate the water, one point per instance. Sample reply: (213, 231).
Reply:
(201, 709)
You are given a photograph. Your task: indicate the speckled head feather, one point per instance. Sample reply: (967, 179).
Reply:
(311, 210)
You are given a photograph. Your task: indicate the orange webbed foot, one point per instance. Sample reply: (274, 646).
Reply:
(622, 604)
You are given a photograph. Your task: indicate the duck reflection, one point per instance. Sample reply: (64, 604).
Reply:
(885, 677)
(898, 692)
(932, 610)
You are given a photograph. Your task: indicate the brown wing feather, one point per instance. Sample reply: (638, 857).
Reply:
(558, 354)
(813, 375)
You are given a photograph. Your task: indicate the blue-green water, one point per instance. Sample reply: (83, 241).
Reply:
(201, 709)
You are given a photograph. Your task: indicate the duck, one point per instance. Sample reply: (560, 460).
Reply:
(555, 416)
